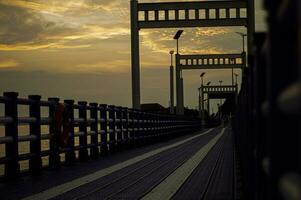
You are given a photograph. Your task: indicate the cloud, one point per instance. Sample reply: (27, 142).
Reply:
(8, 63)
(22, 29)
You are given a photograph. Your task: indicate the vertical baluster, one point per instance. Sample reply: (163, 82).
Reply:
(119, 116)
(104, 129)
(207, 14)
(126, 127)
(145, 127)
(156, 15)
(12, 167)
(217, 13)
(146, 18)
(137, 126)
(132, 126)
(186, 14)
(83, 151)
(197, 14)
(166, 12)
(112, 129)
(227, 13)
(94, 150)
(237, 13)
(54, 157)
(35, 163)
(70, 154)
(176, 15)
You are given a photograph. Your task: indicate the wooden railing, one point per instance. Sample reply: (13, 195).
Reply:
(78, 132)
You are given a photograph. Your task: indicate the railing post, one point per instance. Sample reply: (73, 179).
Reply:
(12, 167)
(54, 157)
(132, 127)
(70, 154)
(119, 128)
(94, 150)
(35, 163)
(112, 129)
(104, 129)
(137, 127)
(82, 113)
(126, 127)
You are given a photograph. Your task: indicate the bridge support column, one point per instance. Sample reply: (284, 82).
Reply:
(135, 55)
(182, 95)
(171, 90)
(178, 85)
(202, 107)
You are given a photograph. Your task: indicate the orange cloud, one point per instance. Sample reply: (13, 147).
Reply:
(9, 63)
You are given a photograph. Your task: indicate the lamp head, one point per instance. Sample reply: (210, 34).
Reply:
(178, 34)
(172, 52)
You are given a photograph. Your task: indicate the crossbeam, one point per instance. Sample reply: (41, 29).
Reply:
(192, 14)
(219, 89)
(219, 92)
(213, 61)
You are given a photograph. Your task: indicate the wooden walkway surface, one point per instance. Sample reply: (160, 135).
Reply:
(196, 166)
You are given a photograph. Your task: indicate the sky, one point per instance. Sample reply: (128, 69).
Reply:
(80, 49)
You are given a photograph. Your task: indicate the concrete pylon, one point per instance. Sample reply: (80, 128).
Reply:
(135, 55)
(179, 87)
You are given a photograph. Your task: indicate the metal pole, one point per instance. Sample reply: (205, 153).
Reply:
(199, 100)
(171, 90)
(232, 76)
(177, 46)
(208, 106)
(251, 29)
(135, 55)
(182, 96)
(178, 84)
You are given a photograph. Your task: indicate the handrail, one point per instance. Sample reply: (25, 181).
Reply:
(106, 129)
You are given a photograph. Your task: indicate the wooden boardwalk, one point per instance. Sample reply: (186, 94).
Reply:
(196, 166)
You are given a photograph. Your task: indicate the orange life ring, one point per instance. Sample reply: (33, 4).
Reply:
(62, 124)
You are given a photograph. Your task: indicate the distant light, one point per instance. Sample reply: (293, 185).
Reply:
(178, 34)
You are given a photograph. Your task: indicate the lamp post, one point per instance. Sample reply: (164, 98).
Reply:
(176, 37)
(171, 84)
(179, 86)
(201, 106)
(220, 83)
(202, 76)
(208, 101)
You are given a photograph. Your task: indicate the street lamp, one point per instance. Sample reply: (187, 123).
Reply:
(176, 37)
(202, 76)
(243, 35)
(179, 79)
(171, 83)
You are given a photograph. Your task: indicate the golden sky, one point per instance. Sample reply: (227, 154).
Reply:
(81, 49)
